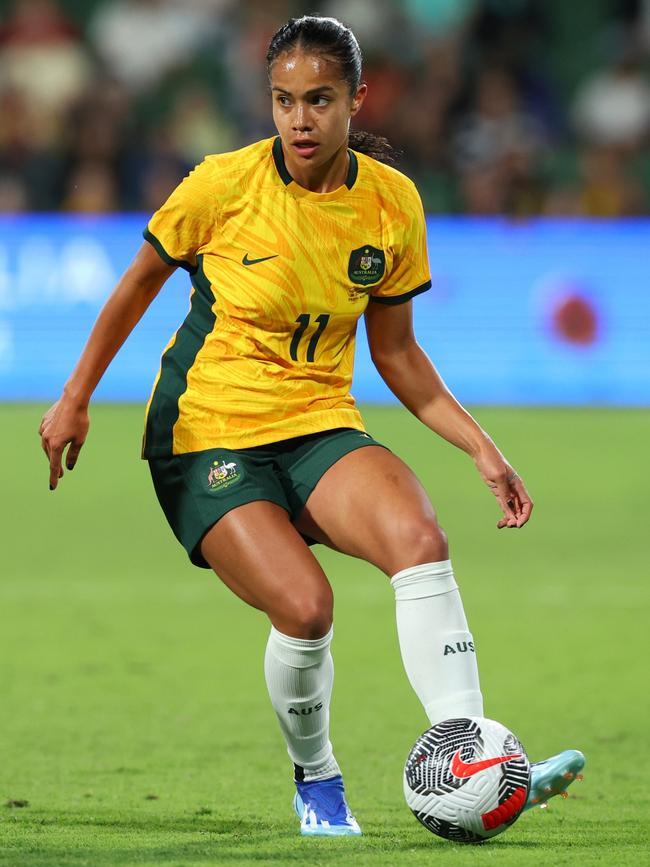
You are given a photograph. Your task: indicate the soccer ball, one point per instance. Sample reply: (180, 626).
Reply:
(467, 779)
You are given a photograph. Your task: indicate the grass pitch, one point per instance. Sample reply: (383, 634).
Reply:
(134, 722)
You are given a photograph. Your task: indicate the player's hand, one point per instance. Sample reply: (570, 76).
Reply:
(507, 487)
(64, 424)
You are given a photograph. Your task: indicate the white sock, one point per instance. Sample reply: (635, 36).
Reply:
(299, 676)
(437, 648)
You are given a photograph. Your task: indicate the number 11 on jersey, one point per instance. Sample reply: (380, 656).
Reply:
(304, 321)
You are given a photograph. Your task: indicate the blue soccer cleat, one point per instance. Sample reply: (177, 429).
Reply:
(553, 777)
(323, 810)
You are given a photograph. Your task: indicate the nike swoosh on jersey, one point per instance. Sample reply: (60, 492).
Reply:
(462, 769)
(247, 261)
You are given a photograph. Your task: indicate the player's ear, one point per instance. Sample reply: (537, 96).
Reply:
(358, 98)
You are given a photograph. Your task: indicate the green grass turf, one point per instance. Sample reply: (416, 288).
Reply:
(133, 712)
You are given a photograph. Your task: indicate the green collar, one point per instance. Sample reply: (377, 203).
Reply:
(283, 171)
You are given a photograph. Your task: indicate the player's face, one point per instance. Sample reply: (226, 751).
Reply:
(312, 107)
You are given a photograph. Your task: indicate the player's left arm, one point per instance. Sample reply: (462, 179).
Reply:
(413, 379)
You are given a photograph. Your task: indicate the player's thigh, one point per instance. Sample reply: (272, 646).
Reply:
(260, 556)
(371, 505)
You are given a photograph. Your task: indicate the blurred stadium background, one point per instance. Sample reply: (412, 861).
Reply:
(525, 124)
(519, 107)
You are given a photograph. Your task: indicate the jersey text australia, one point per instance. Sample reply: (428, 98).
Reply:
(280, 276)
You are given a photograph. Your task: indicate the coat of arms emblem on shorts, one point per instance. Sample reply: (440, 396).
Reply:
(222, 475)
(367, 265)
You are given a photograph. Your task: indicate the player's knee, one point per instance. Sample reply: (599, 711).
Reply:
(424, 541)
(308, 618)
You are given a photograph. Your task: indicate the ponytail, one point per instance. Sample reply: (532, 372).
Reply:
(375, 146)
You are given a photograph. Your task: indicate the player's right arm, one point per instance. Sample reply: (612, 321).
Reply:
(66, 422)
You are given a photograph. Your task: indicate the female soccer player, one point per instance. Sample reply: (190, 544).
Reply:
(255, 444)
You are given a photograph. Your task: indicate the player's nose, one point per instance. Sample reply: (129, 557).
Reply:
(301, 122)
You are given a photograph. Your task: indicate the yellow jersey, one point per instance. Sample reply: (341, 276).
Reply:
(280, 276)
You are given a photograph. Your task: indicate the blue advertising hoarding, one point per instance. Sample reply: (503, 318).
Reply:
(536, 312)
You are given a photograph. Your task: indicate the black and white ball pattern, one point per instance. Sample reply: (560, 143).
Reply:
(467, 779)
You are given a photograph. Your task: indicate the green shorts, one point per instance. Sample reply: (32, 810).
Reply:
(198, 488)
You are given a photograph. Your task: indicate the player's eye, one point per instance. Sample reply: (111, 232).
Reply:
(320, 100)
(284, 100)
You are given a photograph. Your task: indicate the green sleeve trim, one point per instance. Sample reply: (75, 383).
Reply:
(164, 255)
(400, 299)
